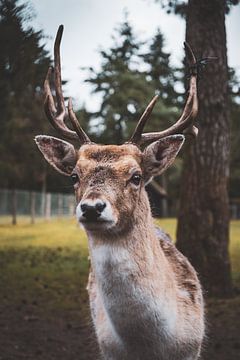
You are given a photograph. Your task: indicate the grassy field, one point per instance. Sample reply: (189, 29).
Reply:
(63, 235)
(44, 305)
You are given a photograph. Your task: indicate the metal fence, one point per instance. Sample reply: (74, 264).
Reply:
(32, 204)
(35, 204)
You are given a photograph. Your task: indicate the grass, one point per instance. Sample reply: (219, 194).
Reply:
(235, 250)
(46, 248)
(49, 259)
(44, 270)
(52, 234)
(45, 262)
(63, 235)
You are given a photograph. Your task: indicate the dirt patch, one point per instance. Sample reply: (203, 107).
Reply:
(44, 312)
(26, 334)
(223, 329)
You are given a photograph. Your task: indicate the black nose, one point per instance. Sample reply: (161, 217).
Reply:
(92, 212)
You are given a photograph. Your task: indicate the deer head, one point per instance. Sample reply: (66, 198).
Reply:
(109, 180)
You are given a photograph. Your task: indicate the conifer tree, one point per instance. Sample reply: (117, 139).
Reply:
(162, 77)
(23, 65)
(124, 88)
(160, 72)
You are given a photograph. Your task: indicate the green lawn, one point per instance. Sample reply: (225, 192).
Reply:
(62, 243)
(63, 236)
(47, 261)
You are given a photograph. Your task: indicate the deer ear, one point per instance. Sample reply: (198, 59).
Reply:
(158, 156)
(59, 153)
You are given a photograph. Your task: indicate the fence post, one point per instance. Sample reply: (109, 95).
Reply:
(60, 205)
(32, 206)
(48, 206)
(72, 206)
(14, 207)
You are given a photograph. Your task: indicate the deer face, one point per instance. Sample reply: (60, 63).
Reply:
(109, 180)
(104, 177)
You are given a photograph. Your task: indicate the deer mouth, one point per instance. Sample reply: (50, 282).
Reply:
(96, 224)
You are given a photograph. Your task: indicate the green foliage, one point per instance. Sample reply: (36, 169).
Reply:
(179, 7)
(160, 72)
(23, 64)
(163, 78)
(122, 86)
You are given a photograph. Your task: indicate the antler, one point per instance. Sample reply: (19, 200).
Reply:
(56, 116)
(184, 123)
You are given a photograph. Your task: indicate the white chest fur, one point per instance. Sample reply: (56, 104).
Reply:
(138, 312)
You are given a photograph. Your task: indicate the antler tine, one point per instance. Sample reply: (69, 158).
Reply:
(184, 123)
(47, 91)
(50, 110)
(57, 115)
(81, 134)
(61, 111)
(136, 136)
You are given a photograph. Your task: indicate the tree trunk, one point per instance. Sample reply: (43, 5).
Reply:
(203, 223)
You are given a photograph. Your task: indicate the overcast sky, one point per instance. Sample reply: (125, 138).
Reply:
(89, 25)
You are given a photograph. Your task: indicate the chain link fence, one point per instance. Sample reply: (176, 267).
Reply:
(35, 204)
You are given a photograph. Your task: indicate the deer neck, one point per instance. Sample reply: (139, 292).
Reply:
(134, 256)
(134, 281)
(138, 239)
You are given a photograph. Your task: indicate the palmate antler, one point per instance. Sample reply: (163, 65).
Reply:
(184, 123)
(58, 115)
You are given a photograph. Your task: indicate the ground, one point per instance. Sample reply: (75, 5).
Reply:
(44, 313)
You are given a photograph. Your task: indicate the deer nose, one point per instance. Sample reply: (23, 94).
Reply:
(92, 211)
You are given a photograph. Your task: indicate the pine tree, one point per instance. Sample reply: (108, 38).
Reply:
(160, 72)
(124, 88)
(162, 77)
(23, 64)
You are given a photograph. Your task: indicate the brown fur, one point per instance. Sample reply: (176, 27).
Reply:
(145, 297)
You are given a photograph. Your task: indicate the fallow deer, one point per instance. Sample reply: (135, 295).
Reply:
(145, 298)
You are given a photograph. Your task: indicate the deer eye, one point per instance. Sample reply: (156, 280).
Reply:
(135, 179)
(74, 178)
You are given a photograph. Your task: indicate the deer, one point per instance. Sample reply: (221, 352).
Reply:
(146, 300)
